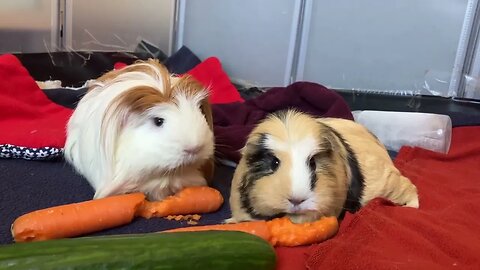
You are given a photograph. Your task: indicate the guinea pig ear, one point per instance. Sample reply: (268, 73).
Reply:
(207, 111)
(113, 122)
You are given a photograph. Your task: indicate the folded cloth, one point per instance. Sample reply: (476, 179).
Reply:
(182, 61)
(27, 117)
(211, 74)
(29, 153)
(233, 122)
(442, 234)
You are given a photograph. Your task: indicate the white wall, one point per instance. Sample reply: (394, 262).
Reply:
(253, 39)
(27, 26)
(119, 24)
(384, 45)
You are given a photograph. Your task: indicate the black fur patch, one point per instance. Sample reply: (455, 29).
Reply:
(259, 164)
(313, 179)
(357, 181)
(322, 159)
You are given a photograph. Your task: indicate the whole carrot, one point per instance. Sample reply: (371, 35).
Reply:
(190, 200)
(76, 219)
(95, 215)
(279, 231)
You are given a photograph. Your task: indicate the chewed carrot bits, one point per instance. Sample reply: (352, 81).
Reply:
(190, 200)
(286, 233)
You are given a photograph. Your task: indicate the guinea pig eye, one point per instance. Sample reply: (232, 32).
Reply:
(274, 163)
(312, 164)
(157, 121)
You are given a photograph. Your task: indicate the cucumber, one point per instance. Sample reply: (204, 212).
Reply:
(177, 250)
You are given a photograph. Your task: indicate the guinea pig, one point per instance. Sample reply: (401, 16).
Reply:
(304, 167)
(142, 129)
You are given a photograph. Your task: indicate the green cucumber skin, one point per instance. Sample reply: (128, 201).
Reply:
(180, 250)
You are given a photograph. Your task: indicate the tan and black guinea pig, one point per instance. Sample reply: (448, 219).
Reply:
(304, 167)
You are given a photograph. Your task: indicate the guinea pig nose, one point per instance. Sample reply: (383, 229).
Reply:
(296, 201)
(193, 150)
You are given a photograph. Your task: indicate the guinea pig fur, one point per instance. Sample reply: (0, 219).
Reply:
(141, 129)
(304, 167)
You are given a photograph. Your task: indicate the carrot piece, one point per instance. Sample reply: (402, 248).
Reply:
(76, 219)
(190, 200)
(288, 234)
(258, 228)
(279, 231)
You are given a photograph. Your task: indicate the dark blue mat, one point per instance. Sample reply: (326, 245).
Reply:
(31, 185)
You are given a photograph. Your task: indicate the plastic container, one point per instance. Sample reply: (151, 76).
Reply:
(397, 129)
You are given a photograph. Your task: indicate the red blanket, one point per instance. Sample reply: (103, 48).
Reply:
(443, 234)
(28, 118)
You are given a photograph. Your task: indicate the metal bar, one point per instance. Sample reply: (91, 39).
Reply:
(178, 25)
(295, 39)
(302, 44)
(464, 46)
(472, 60)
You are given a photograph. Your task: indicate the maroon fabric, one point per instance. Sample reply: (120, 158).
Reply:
(443, 234)
(233, 122)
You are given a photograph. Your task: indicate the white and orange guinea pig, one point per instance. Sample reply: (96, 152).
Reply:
(141, 129)
(304, 167)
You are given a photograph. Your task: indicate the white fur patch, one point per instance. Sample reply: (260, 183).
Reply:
(300, 152)
(300, 173)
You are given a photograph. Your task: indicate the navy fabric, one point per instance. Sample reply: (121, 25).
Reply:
(182, 61)
(66, 97)
(31, 185)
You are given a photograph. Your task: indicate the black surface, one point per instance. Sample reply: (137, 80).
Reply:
(74, 68)
(31, 185)
(182, 61)
(468, 111)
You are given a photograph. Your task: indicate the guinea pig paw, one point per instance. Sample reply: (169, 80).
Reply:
(230, 220)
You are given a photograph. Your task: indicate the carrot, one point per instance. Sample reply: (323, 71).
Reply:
(190, 200)
(76, 219)
(286, 233)
(91, 216)
(279, 231)
(258, 228)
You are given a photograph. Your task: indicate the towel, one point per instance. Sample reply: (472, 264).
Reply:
(27, 117)
(442, 234)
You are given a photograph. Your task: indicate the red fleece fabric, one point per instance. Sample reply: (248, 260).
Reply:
(27, 117)
(211, 75)
(442, 234)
